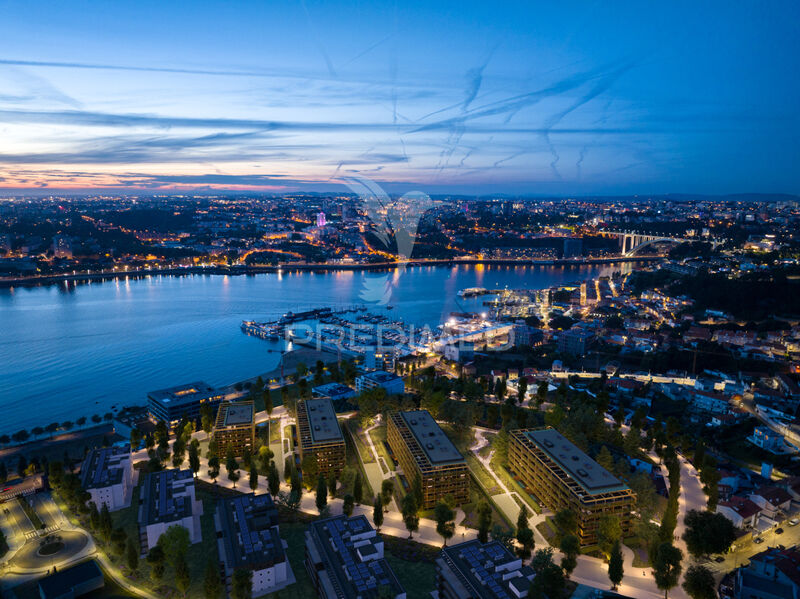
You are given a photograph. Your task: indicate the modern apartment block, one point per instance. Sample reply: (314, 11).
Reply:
(247, 538)
(426, 453)
(319, 435)
(378, 378)
(474, 570)
(167, 498)
(564, 477)
(107, 475)
(344, 558)
(235, 427)
(174, 403)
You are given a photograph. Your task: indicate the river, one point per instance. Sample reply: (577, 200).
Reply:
(72, 350)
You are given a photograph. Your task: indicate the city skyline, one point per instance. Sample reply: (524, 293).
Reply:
(529, 100)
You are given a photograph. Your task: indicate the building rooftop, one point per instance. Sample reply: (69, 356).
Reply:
(237, 413)
(349, 551)
(322, 420)
(580, 467)
(186, 393)
(332, 390)
(380, 376)
(102, 468)
(162, 496)
(56, 584)
(250, 532)
(438, 447)
(488, 571)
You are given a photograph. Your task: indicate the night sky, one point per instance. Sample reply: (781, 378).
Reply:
(464, 97)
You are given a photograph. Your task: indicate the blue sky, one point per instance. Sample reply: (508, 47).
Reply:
(464, 97)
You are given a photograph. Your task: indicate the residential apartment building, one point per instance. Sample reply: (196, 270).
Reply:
(393, 384)
(248, 538)
(474, 570)
(167, 498)
(235, 427)
(426, 454)
(562, 476)
(771, 574)
(319, 435)
(107, 475)
(345, 560)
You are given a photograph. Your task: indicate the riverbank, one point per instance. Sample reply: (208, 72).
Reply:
(242, 270)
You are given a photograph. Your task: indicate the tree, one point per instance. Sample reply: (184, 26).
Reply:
(273, 479)
(609, 532)
(322, 493)
(522, 389)
(132, 555)
(332, 483)
(53, 427)
(615, 566)
(347, 505)
(484, 521)
(106, 524)
(194, 460)
(358, 490)
(310, 470)
(242, 584)
(174, 542)
(213, 468)
(212, 584)
(37, 431)
(567, 521)
(444, 516)
(527, 542)
(182, 579)
(118, 541)
(253, 477)
(232, 466)
(410, 517)
(3, 472)
(377, 513)
(667, 566)
(699, 583)
(605, 459)
(206, 417)
(570, 546)
(708, 533)
(387, 490)
(157, 562)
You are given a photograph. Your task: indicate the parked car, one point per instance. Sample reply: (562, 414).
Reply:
(719, 559)
(778, 531)
(793, 522)
(758, 541)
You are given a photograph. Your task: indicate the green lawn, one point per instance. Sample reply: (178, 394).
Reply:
(480, 472)
(274, 430)
(470, 509)
(509, 481)
(31, 513)
(353, 427)
(378, 436)
(111, 590)
(353, 462)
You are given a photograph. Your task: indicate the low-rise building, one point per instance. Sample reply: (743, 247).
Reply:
(767, 439)
(248, 538)
(574, 341)
(174, 403)
(739, 510)
(562, 476)
(333, 391)
(320, 436)
(167, 498)
(474, 570)
(72, 582)
(428, 457)
(107, 475)
(773, 501)
(235, 427)
(393, 384)
(771, 574)
(345, 560)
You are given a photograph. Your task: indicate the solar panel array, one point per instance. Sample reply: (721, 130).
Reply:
(481, 561)
(363, 576)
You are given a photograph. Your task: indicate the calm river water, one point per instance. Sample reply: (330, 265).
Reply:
(71, 351)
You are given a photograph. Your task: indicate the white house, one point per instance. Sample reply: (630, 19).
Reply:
(739, 510)
(107, 475)
(167, 498)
